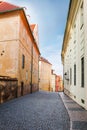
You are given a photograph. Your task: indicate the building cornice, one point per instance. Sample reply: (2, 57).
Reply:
(44, 60)
(70, 17)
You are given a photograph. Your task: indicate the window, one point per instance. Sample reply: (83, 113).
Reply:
(74, 33)
(81, 16)
(70, 76)
(74, 74)
(23, 61)
(82, 72)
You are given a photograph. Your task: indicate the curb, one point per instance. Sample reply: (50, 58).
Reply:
(67, 111)
(77, 115)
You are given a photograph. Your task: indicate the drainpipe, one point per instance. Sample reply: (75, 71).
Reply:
(31, 67)
(38, 72)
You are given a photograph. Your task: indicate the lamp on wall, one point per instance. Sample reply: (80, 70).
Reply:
(66, 76)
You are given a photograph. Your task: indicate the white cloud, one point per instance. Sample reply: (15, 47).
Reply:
(53, 54)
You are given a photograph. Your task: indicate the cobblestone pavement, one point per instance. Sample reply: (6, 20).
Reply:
(37, 111)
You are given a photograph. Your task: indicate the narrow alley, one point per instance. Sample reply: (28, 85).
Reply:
(37, 111)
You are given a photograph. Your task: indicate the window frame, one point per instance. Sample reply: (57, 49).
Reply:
(70, 76)
(82, 72)
(74, 74)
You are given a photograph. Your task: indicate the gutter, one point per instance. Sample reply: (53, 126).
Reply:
(7, 11)
(71, 14)
(31, 32)
(66, 29)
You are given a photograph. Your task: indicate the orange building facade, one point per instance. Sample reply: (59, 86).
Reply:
(59, 84)
(19, 52)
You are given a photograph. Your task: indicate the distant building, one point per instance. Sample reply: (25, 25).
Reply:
(19, 50)
(44, 74)
(59, 84)
(56, 82)
(74, 52)
(53, 81)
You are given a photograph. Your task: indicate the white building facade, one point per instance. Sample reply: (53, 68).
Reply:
(74, 52)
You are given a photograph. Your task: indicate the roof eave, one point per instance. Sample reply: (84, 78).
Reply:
(71, 13)
(7, 11)
(31, 32)
(62, 52)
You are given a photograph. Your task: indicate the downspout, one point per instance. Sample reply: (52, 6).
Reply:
(38, 72)
(31, 68)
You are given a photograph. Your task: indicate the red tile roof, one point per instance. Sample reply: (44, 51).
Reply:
(32, 26)
(45, 60)
(5, 6)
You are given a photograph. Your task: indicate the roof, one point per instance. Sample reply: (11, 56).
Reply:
(5, 6)
(45, 60)
(32, 26)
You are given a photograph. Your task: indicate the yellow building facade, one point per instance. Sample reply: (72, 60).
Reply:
(19, 53)
(44, 74)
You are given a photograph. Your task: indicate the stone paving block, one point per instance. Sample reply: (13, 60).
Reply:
(37, 111)
(81, 125)
(75, 109)
(70, 102)
(78, 115)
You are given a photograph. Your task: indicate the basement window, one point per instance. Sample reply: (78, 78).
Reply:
(82, 101)
(74, 96)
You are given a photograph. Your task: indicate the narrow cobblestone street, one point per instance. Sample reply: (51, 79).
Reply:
(37, 111)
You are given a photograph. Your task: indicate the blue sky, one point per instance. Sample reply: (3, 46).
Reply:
(50, 15)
